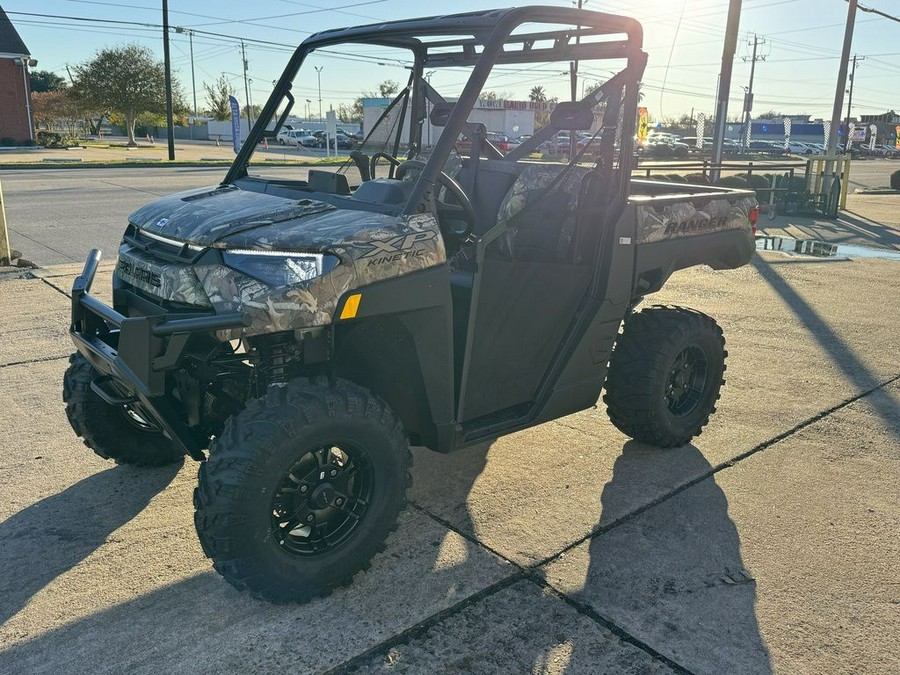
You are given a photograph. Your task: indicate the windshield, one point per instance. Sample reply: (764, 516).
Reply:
(360, 110)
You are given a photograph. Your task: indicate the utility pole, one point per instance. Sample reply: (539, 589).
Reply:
(170, 124)
(850, 99)
(746, 123)
(319, 76)
(193, 79)
(839, 96)
(179, 29)
(246, 87)
(728, 49)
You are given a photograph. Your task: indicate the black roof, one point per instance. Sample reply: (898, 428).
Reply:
(10, 42)
(481, 24)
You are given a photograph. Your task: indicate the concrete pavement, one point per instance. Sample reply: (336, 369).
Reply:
(768, 545)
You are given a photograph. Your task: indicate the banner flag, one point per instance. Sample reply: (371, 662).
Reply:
(235, 123)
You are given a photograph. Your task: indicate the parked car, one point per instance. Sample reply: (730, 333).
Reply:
(344, 141)
(296, 137)
(691, 142)
(798, 148)
(497, 139)
(767, 147)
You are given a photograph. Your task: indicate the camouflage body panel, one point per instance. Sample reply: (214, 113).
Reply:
(687, 218)
(207, 215)
(175, 282)
(383, 247)
(371, 246)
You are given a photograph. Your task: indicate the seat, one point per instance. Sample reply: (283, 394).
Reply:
(539, 211)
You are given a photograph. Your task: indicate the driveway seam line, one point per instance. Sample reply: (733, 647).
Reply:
(41, 359)
(530, 573)
(420, 628)
(728, 463)
(465, 535)
(56, 288)
(589, 612)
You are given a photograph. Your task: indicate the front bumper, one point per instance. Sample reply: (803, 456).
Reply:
(133, 354)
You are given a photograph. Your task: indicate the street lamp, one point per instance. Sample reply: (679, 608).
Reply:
(25, 63)
(319, 76)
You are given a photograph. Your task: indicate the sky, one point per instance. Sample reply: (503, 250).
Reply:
(800, 40)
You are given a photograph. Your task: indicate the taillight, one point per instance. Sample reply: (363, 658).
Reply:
(504, 146)
(754, 217)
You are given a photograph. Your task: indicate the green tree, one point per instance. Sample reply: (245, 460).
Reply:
(45, 80)
(388, 88)
(254, 110)
(349, 114)
(59, 110)
(217, 98)
(127, 80)
(537, 94)
(354, 112)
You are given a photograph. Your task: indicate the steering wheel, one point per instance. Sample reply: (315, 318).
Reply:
(461, 212)
(383, 155)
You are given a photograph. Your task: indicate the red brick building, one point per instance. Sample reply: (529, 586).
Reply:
(15, 95)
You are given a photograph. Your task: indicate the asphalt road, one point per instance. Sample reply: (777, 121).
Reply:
(57, 216)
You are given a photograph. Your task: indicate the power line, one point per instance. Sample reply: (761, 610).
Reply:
(143, 24)
(872, 10)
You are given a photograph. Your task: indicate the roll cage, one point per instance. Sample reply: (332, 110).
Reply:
(481, 40)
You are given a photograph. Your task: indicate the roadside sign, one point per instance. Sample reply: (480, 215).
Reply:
(330, 132)
(643, 125)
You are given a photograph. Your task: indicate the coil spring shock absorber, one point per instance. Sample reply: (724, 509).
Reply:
(277, 353)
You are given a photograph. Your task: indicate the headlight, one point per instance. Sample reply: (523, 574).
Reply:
(279, 268)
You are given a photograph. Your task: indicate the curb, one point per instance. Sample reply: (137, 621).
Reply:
(149, 163)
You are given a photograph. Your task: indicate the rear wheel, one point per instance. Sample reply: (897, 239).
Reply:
(301, 489)
(665, 375)
(123, 433)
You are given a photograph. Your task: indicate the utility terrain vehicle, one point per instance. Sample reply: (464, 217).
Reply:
(307, 327)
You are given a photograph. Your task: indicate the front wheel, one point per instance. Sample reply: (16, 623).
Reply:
(665, 375)
(125, 433)
(301, 489)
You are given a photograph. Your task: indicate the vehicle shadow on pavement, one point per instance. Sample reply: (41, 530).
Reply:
(673, 576)
(840, 352)
(50, 537)
(878, 234)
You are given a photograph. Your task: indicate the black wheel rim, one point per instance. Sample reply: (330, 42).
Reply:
(687, 381)
(139, 418)
(321, 499)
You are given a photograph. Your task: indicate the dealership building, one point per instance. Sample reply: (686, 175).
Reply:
(513, 118)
